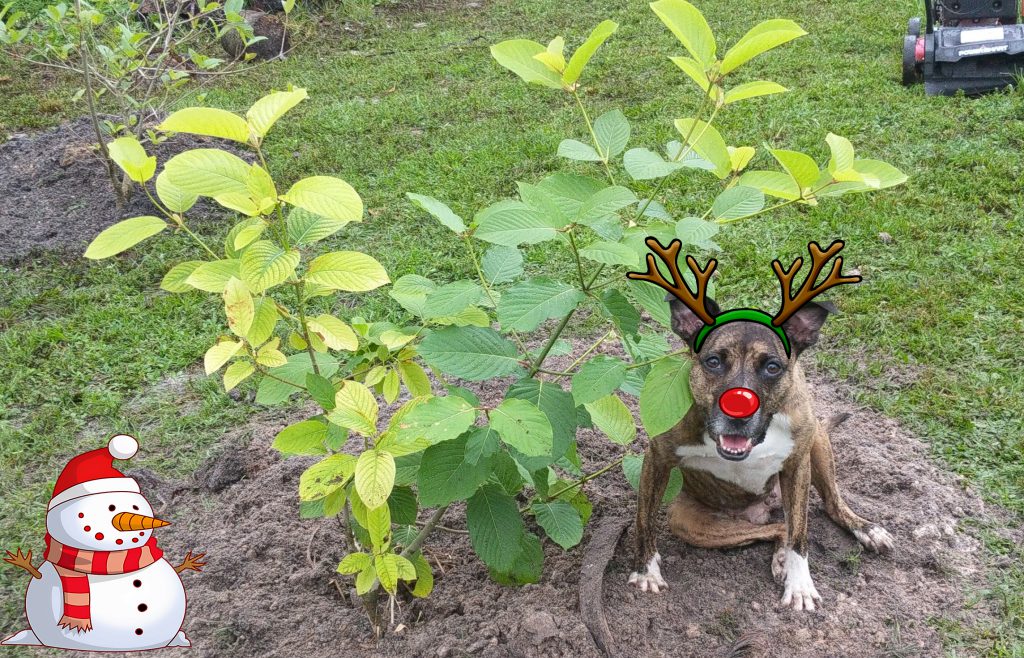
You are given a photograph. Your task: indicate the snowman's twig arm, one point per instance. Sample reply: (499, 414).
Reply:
(23, 561)
(193, 562)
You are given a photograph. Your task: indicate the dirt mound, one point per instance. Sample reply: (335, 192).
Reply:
(55, 194)
(270, 588)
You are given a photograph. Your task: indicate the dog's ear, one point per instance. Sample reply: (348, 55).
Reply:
(803, 327)
(685, 322)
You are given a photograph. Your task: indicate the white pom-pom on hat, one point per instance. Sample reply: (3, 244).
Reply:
(123, 446)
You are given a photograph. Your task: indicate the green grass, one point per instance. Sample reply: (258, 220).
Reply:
(933, 337)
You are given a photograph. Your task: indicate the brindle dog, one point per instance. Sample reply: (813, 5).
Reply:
(736, 469)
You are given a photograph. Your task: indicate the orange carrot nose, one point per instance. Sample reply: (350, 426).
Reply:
(128, 521)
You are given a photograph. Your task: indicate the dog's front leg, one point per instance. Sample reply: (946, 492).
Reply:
(790, 562)
(658, 463)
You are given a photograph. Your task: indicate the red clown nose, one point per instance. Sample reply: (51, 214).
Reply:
(739, 402)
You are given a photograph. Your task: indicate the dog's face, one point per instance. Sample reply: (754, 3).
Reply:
(750, 356)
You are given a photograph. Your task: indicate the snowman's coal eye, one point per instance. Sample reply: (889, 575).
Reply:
(135, 507)
(111, 508)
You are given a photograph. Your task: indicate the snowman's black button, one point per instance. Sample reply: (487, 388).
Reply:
(143, 607)
(138, 631)
(137, 582)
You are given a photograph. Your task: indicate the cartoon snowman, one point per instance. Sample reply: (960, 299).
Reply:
(104, 585)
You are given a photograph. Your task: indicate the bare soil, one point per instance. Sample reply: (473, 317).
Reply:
(55, 195)
(270, 588)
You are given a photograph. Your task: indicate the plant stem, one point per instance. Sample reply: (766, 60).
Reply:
(584, 479)
(656, 359)
(576, 255)
(179, 221)
(589, 350)
(551, 342)
(593, 136)
(305, 326)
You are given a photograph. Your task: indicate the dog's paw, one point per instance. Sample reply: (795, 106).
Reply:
(651, 580)
(875, 538)
(800, 593)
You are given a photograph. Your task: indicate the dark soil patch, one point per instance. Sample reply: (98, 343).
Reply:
(270, 588)
(55, 194)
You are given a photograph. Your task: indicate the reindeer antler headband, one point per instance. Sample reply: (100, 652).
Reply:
(695, 301)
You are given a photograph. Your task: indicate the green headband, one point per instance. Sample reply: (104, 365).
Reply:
(740, 315)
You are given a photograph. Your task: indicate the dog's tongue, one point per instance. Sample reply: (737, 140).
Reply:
(735, 443)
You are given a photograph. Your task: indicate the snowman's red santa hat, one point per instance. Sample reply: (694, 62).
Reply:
(93, 472)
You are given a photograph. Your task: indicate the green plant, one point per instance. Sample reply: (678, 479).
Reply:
(135, 66)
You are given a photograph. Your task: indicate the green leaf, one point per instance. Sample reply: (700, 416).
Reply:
(561, 413)
(402, 503)
(328, 197)
(502, 264)
(752, 90)
(694, 69)
(665, 397)
(615, 306)
(774, 183)
(518, 56)
(802, 168)
(451, 298)
(131, 157)
(174, 280)
(612, 131)
(526, 305)
(326, 476)
(652, 298)
(439, 210)
(632, 465)
(305, 227)
(583, 54)
(267, 110)
(291, 377)
(472, 353)
(737, 202)
(611, 415)
(761, 38)
(560, 521)
(437, 420)
(689, 26)
(350, 271)
(528, 564)
(495, 527)
(303, 438)
(208, 121)
(605, 202)
(707, 143)
(481, 443)
(424, 577)
(214, 275)
(354, 563)
(573, 149)
(696, 231)
(173, 197)
(208, 172)
(265, 265)
(644, 164)
(523, 426)
(511, 223)
(446, 476)
(597, 378)
(375, 477)
(321, 390)
(610, 253)
(123, 236)
(355, 408)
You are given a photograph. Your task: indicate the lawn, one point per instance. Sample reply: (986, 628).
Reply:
(411, 101)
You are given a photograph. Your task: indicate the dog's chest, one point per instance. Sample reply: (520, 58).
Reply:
(751, 474)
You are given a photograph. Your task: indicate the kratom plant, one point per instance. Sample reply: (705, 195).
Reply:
(515, 460)
(131, 66)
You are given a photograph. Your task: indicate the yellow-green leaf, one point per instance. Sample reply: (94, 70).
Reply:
(213, 276)
(752, 90)
(176, 277)
(236, 373)
(741, 157)
(239, 307)
(173, 197)
(707, 143)
(326, 196)
(336, 334)
(267, 110)
(208, 172)
(375, 477)
(414, 378)
(220, 354)
(129, 155)
(265, 264)
(263, 321)
(208, 121)
(694, 69)
(354, 563)
(689, 26)
(801, 167)
(355, 409)
(350, 271)
(424, 577)
(270, 356)
(123, 235)
(583, 54)
(517, 55)
(761, 38)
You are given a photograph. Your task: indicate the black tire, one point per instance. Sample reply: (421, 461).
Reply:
(910, 75)
(914, 27)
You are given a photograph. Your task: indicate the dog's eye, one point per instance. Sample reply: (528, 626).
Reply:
(712, 363)
(773, 368)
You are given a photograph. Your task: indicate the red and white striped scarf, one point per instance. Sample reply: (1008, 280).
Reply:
(74, 565)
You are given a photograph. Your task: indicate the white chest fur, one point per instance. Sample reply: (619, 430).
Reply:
(752, 473)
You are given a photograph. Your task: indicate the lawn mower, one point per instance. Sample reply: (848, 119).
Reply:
(974, 46)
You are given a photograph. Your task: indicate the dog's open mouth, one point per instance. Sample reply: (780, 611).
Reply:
(734, 447)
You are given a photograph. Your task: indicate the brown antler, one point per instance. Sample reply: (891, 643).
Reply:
(678, 287)
(808, 290)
